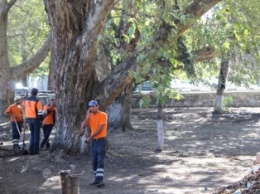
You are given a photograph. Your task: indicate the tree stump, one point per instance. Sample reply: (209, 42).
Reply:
(65, 182)
(74, 184)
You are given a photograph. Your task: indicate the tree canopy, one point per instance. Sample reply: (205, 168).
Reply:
(231, 27)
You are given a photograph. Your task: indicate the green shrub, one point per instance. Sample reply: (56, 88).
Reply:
(227, 102)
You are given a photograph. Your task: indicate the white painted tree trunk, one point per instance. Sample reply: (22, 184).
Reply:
(218, 104)
(160, 129)
(160, 135)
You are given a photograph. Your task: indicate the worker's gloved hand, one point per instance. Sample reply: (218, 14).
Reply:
(87, 140)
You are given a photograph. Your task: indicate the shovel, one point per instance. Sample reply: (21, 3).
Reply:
(24, 150)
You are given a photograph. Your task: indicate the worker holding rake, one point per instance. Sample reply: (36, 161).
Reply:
(15, 112)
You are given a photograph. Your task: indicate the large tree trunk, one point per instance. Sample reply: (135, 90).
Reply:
(76, 26)
(6, 84)
(223, 74)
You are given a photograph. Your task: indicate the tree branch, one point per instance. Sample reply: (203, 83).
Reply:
(11, 3)
(204, 54)
(113, 84)
(196, 9)
(31, 64)
(5, 7)
(94, 25)
(119, 77)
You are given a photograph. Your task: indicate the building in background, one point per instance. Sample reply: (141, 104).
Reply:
(41, 83)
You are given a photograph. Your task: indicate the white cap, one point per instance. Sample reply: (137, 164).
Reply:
(17, 98)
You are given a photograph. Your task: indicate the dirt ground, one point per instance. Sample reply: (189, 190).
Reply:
(202, 153)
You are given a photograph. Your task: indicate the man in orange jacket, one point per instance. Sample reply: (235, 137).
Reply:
(32, 106)
(97, 121)
(15, 112)
(48, 122)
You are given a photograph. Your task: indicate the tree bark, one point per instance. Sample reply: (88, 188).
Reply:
(51, 76)
(6, 83)
(76, 26)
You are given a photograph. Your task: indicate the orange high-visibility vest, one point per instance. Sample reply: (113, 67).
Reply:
(32, 105)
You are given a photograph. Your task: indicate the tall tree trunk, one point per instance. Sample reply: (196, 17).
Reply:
(223, 74)
(7, 85)
(76, 26)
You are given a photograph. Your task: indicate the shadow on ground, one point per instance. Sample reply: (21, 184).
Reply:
(202, 153)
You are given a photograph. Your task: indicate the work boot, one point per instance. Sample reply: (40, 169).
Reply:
(16, 147)
(94, 183)
(100, 184)
(41, 146)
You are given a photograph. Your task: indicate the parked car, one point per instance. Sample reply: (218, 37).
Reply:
(181, 85)
(21, 91)
(144, 88)
(44, 98)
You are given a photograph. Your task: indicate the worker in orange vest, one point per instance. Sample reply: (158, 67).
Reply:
(15, 112)
(48, 122)
(32, 106)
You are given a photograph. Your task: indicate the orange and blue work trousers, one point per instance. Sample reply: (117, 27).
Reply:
(34, 125)
(98, 152)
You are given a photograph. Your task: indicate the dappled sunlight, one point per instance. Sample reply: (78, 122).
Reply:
(221, 140)
(172, 178)
(52, 183)
(7, 144)
(13, 159)
(123, 178)
(201, 171)
(201, 153)
(171, 137)
(24, 169)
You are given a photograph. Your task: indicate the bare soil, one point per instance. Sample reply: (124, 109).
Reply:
(202, 153)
